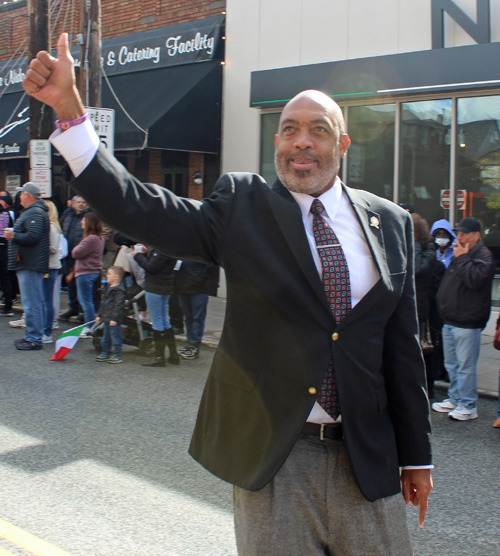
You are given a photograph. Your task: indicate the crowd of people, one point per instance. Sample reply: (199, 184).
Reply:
(42, 254)
(453, 278)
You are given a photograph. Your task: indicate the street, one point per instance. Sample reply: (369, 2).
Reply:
(93, 459)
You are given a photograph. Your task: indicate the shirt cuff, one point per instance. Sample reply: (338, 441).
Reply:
(417, 467)
(78, 145)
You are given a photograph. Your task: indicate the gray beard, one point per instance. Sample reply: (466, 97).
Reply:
(296, 180)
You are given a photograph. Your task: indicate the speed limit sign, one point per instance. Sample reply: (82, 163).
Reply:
(103, 120)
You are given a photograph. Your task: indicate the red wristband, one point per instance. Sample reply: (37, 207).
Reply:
(66, 124)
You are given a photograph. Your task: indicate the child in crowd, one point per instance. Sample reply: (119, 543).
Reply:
(111, 313)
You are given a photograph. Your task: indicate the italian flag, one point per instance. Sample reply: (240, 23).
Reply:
(66, 342)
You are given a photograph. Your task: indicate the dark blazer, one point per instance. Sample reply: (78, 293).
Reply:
(259, 391)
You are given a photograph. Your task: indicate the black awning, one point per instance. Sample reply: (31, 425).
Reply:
(379, 77)
(14, 121)
(180, 106)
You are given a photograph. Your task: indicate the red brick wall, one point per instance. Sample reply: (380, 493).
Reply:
(119, 17)
(155, 166)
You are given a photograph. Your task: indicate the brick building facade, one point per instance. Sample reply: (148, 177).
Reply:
(119, 18)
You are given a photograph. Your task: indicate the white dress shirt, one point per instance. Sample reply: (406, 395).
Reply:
(363, 273)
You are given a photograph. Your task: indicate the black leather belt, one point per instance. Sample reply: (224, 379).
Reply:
(324, 432)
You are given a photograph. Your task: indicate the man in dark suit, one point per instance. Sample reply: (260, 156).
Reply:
(314, 402)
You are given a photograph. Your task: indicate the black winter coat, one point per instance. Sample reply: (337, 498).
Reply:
(159, 272)
(29, 248)
(195, 277)
(112, 303)
(424, 261)
(464, 296)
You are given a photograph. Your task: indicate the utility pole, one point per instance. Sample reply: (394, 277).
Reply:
(40, 114)
(89, 76)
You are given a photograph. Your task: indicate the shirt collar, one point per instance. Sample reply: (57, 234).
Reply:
(330, 199)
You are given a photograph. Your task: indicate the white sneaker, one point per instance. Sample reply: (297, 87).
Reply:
(47, 339)
(461, 413)
(55, 325)
(443, 407)
(21, 323)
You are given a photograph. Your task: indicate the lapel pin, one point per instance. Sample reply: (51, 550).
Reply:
(375, 222)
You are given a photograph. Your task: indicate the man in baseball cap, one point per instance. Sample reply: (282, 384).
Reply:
(464, 303)
(32, 188)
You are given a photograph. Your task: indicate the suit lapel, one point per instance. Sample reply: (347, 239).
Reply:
(372, 227)
(289, 218)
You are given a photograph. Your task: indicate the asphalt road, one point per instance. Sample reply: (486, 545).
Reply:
(93, 458)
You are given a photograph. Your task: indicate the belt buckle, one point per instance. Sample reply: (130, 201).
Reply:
(322, 431)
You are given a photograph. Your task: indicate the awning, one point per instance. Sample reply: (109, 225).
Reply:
(14, 119)
(179, 106)
(461, 68)
(169, 80)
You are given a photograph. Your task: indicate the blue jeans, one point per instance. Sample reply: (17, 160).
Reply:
(194, 307)
(461, 353)
(31, 286)
(85, 287)
(112, 337)
(48, 301)
(158, 309)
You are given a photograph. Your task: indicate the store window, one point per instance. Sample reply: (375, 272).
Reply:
(370, 159)
(425, 147)
(478, 166)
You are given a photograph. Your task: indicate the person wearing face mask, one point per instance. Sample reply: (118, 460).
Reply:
(443, 237)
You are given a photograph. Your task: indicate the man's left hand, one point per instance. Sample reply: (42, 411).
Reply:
(8, 234)
(416, 485)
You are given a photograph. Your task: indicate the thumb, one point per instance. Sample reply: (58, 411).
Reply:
(63, 52)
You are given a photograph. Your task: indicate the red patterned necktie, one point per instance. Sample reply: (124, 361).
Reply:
(338, 292)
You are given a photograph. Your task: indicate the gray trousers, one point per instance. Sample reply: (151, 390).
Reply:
(313, 507)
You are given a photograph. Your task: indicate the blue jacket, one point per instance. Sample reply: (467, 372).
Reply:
(29, 248)
(445, 257)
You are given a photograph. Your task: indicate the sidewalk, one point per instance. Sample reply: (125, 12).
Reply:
(487, 369)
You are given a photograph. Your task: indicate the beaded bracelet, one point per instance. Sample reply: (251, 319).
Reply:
(66, 124)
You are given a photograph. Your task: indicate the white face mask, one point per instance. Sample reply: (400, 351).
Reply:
(442, 241)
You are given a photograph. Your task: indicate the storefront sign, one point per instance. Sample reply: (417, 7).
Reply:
(103, 120)
(461, 199)
(43, 178)
(186, 43)
(479, 30)
(195, 41)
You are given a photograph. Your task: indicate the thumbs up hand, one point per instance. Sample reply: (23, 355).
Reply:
(52, 81)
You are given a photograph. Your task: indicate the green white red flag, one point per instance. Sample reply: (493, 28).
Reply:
(66, 342)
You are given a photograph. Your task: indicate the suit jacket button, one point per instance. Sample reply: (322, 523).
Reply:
(312, 391)
(335, 336)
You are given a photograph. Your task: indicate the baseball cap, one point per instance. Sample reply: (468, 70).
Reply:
(31, 188)
(406, 206)
(468, 225)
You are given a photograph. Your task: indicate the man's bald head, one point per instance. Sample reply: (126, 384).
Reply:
(310, 142)
(318, 98)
